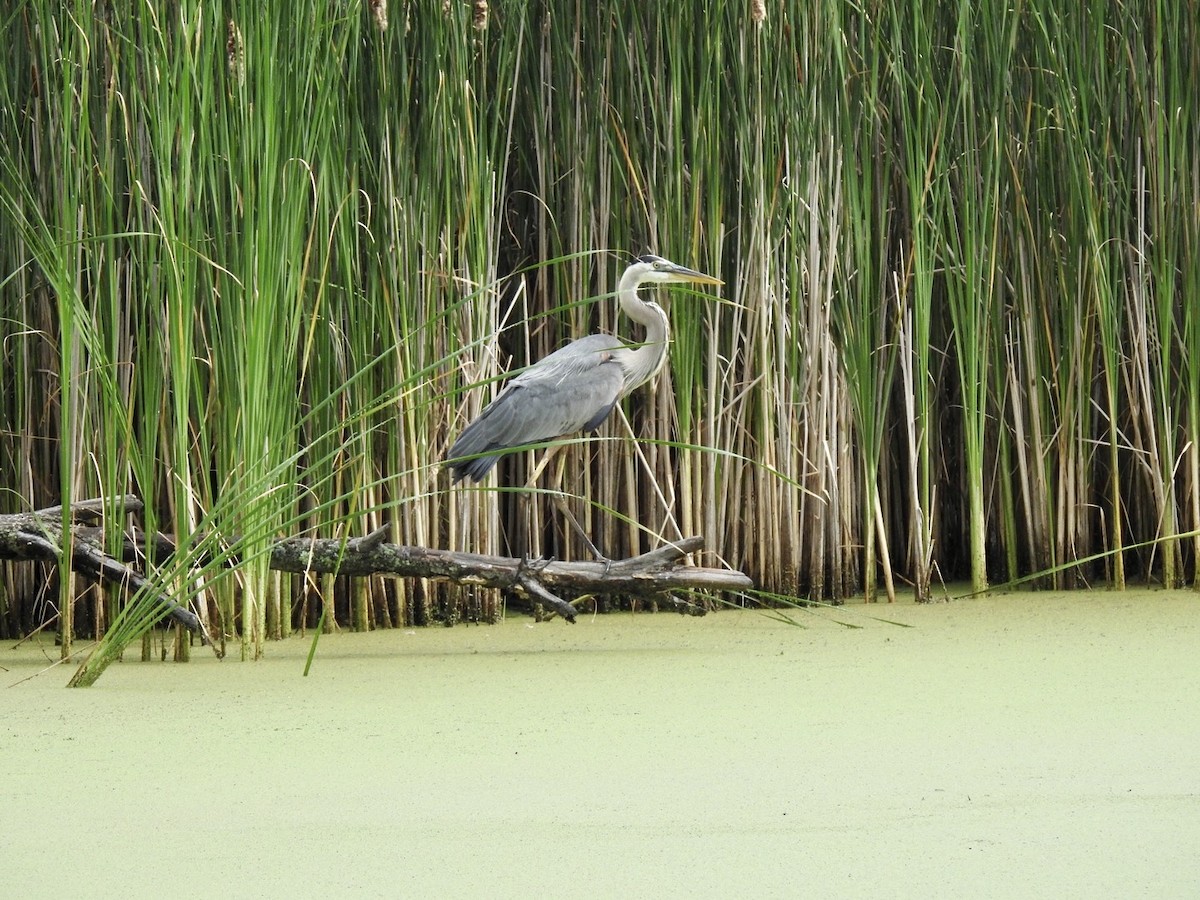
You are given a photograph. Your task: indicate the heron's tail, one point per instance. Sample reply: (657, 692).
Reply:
(476, 469)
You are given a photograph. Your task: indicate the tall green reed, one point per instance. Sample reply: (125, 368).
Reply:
(973, 156)
(863, 316)
(916, 71)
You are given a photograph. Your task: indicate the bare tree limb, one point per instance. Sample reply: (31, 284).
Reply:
(38, 535)
(654, 574)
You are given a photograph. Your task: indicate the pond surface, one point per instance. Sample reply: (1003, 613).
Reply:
(1019, 746)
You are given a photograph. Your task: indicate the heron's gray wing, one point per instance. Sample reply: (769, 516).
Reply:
(571, 389)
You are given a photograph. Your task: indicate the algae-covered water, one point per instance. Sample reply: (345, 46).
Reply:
(1021, 746)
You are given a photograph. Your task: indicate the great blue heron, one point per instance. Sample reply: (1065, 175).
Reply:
(576, 386)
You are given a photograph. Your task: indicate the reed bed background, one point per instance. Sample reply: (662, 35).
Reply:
(259, 263)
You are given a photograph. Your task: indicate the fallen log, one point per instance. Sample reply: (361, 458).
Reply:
(654, 574)
(39, 536)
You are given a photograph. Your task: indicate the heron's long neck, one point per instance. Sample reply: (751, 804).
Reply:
(645, 361)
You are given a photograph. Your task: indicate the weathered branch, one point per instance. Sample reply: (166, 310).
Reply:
(38, 535)
(652, 574)
(657, 573)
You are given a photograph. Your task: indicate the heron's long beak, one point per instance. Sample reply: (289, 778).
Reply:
(683, 273)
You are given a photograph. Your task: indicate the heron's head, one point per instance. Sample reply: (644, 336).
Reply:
(651, 269)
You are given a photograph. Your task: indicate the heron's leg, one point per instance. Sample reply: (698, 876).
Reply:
(561, 503)
(550, 453)
(532, 523)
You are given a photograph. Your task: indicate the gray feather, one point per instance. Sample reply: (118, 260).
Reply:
(576, 387)
(572, 389)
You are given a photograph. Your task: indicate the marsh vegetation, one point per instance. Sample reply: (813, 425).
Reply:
(259, 264)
